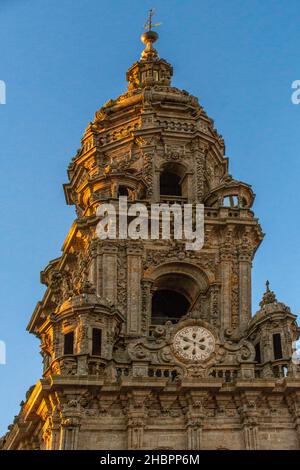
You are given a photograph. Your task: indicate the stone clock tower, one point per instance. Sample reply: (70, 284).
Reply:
(146, 345)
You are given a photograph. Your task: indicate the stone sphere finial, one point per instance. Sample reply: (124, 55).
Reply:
(149, 53)
(149, 37)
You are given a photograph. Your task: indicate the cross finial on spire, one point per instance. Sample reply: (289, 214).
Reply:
(149, 25)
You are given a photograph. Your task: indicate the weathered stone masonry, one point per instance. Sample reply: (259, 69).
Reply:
(114, 375)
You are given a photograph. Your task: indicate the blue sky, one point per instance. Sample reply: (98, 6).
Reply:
(61, 60)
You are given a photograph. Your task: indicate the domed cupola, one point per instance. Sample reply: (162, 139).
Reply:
(230, 193)
(150, 69)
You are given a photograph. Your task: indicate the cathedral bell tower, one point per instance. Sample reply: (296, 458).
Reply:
(147, 345)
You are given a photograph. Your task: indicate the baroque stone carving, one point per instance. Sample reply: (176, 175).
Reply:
(123, 370)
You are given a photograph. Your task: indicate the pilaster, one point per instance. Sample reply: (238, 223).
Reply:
(134, 274)
(109, 272)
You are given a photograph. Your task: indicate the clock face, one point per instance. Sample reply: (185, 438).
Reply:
(194, 343)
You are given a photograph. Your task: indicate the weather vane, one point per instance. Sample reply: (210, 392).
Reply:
(149, 25)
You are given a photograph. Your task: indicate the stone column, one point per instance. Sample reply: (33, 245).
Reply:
(46, 438)
(69, 433)
(195, 418)
(109, 272)
(134, 274)
(214, 304)
(199, 150)
(94, 264)
(249, 418)
(229, 277)
(244, 290)
(250, 433)
(190, 193)
(99, 269)
(226, 268)
(297, 426)
(266, 344)
(156, 186)
(293, 402)
(135, 403)
(135, 429)
(194, 433)
(149, 175)
(82, 344)
(36, 445)
(146, 305)
(54, 429)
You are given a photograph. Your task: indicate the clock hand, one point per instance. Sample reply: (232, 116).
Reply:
(188, 340)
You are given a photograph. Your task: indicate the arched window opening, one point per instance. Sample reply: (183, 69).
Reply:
(230, 201)
(123, 191)
(257, 353)
(170, 184)
(176, 287)
(168, 305)
(277, 347)
(69, 343)
(96, 341)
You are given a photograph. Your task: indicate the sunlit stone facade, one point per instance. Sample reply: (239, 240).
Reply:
(146, 345)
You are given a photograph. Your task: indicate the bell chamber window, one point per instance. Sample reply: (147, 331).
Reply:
(277, 347)
(69, 343)
(174, 180)
(231, 201)
(123, 191)
(257, 353)
(170, 184)
(168, 305)
(96, 342)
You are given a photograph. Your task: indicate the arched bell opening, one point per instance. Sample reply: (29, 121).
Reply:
(123, 191)
(177, 287)
(170, 184)
(173, 181)
(168, 305)
(175, 292)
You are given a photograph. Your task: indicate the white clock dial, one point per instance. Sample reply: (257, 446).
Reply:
(194, 343)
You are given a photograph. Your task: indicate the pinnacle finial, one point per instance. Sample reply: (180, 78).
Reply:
(150, 70)
(269, 297)
(149, 37)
